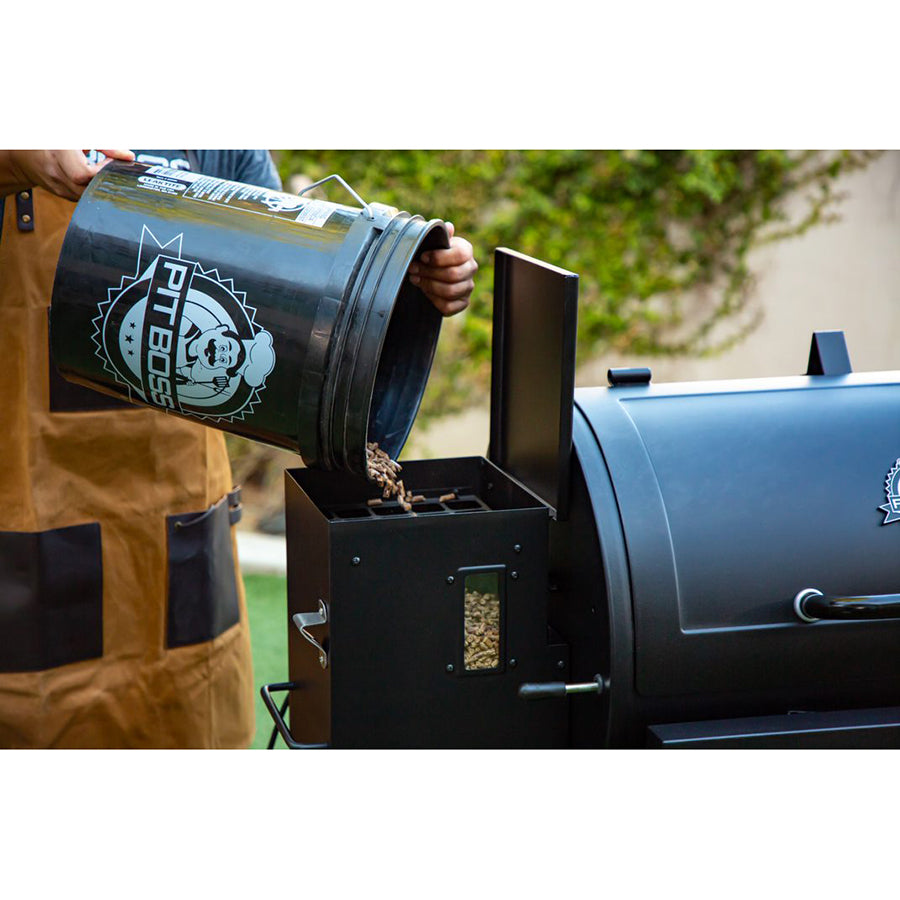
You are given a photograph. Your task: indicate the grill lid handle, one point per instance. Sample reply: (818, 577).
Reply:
(812, 605)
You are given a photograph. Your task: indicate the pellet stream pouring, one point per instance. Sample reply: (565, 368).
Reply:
(383, 470)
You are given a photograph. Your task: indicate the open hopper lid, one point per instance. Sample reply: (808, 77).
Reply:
(533, 374)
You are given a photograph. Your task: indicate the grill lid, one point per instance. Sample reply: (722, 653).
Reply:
(733, 497)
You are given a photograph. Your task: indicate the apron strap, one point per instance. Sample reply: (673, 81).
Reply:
(235, 509)
(25, 210)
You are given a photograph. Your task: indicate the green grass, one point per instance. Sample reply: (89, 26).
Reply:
(267, 610)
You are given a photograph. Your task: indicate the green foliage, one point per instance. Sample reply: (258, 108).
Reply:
(660, 239)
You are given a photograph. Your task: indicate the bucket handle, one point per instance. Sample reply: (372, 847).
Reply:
(338, 178)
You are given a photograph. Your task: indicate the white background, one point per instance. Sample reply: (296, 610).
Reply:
(499, 826)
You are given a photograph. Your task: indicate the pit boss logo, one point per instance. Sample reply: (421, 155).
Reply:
(182, 338)
(892, 489)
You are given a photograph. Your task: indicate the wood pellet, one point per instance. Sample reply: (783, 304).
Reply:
(481, 649)
(384, 471)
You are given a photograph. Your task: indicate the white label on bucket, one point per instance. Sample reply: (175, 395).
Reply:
(161, 185)
(315, 213)
(235, 195)
(179, 174)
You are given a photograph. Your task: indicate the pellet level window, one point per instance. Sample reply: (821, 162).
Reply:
(481, 649)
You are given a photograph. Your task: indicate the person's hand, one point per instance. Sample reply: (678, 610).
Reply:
(65, 173)
(445, 276)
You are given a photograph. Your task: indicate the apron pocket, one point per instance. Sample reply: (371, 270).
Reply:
(51, 597)
(203, 598)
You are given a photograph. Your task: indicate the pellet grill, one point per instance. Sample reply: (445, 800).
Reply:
(679, 565)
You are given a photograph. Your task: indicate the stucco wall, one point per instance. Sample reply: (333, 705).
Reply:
(844, 275)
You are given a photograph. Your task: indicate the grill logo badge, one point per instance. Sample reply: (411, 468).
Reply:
(182, 338)
(892, 489)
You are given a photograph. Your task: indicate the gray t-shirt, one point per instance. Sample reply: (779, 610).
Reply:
(249, 166)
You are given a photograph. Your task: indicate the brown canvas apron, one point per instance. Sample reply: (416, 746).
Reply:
(122, 617)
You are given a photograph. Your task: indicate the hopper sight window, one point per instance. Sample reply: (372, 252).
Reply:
(481, 648)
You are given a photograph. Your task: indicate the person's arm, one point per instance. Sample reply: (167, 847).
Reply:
(65, 173)
(446, 276)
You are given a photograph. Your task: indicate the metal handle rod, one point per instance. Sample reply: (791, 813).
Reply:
(266, 693)
(811, 605)
(548, 689)
(347, 187)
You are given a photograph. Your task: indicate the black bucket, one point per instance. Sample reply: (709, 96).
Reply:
(274, 316)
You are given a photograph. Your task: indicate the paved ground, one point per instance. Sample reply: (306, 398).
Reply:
(262, 554)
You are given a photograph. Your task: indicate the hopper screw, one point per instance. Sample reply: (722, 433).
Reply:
(450, 579)
(560, 664)
(513, 575)
(450, 667)
(518, 548)
(354, 561)
(513, 663)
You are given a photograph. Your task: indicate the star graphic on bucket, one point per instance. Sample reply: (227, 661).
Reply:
(201, 351)
(892, 489)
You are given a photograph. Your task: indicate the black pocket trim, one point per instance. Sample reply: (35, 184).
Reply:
(51, 597)
(203, 599)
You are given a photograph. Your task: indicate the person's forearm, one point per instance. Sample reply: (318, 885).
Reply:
(11, 177)
(65, 173)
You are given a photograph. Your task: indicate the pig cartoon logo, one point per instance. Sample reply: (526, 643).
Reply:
(183, 338)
